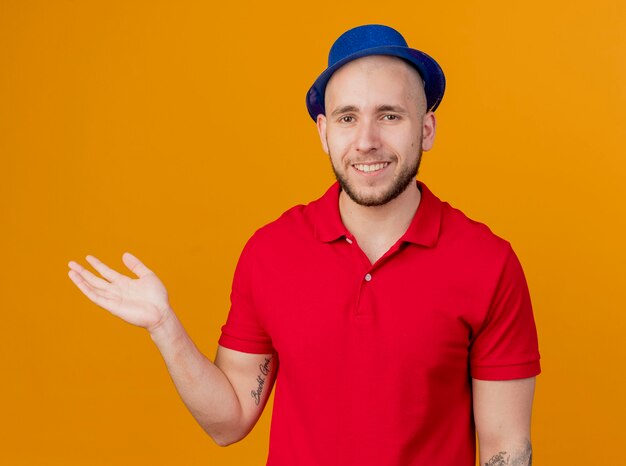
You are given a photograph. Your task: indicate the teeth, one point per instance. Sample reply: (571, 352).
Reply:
(370, 168)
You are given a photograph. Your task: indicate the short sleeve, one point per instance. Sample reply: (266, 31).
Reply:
(506, 345)
(243, 330)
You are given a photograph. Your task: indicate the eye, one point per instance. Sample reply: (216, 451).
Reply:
(346, 119)
(390, 117)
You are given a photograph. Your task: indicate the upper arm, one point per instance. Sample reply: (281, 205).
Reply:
(252, 377)
(502, 412)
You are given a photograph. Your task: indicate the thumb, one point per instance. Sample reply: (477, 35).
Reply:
(135, 265)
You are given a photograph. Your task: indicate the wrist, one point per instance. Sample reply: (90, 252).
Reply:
(166, 328)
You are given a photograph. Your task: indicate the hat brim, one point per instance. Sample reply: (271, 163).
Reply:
(428, 68)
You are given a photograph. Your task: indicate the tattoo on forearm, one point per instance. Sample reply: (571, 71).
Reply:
(523, 457)
(260, 380)
(501, 459)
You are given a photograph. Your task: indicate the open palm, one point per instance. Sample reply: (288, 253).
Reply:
(141, 301)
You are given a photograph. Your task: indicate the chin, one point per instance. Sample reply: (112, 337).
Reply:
(371, 198)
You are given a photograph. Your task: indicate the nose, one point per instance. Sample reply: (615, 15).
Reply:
(367, 136)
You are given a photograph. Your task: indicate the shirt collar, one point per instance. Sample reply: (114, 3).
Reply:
(423, 230)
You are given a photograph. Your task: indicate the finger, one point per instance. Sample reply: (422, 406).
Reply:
(89, 277)
(87, 289)
(135, 265)
(104, 270)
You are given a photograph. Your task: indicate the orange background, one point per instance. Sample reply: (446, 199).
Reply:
(175, 129)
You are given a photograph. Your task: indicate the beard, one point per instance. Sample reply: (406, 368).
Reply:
(400, 183)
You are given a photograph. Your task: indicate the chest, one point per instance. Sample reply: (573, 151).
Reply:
(408, 309)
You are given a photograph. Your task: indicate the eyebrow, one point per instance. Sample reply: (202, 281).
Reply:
(379, 109)
(391, 108)
(344, 109)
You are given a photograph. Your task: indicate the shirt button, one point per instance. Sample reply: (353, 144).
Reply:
(368, 277)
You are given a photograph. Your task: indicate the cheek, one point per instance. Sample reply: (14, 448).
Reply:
(402, 143)
(337, 142)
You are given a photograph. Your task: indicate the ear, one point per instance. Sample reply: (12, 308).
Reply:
(429, 124)
(321, 129)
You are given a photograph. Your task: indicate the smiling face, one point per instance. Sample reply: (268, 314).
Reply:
(375, 128)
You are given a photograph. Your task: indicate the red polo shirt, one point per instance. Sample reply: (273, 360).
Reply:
(376, 361)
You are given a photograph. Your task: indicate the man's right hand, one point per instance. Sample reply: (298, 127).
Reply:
(226, 398)
(141, 301)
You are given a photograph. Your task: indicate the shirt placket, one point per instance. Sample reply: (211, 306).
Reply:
(367, 273)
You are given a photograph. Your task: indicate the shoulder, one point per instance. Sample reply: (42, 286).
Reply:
(472, 241)
(301, 223)
(459, 226)
(481, 265)
(293, 225)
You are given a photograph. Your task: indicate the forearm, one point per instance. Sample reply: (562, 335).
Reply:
(503, 453)
(203, 387)
(143, 301)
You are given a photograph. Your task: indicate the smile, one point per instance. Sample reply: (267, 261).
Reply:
(369, 168)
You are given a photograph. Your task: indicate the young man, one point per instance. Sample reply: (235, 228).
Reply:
(396, 327)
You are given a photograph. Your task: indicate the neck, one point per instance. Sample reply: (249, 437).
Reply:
(383, 224)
